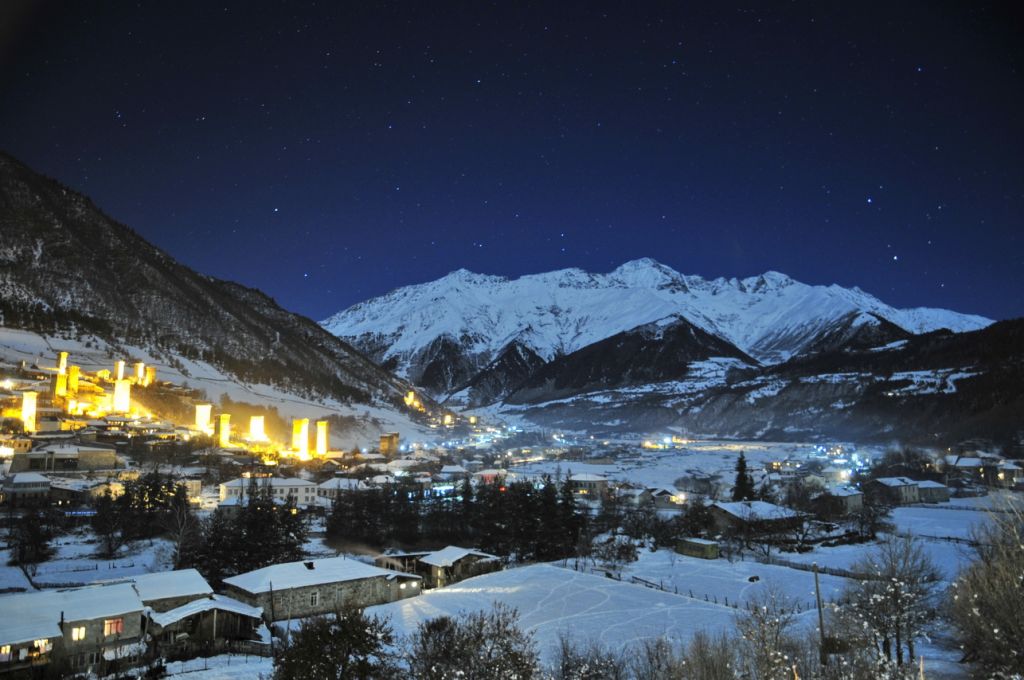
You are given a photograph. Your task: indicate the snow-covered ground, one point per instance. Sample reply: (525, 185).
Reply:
(223, 667)
(76, 563)
(723, 581)
(554, 601)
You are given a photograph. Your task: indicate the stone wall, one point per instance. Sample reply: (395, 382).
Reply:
(330, 597)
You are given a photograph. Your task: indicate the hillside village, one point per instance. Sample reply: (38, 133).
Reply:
(144, 524)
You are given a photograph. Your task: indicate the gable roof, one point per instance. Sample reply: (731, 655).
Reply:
(221, 602)
(896, 481)
(299, 575)
(164, 584)
(446, 557)
(755, 510)
(34, 616)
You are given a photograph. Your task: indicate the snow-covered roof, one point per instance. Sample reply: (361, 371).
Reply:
(28, 478)
(221, 602)
(343, 484)
(843, 491)
(754, 510)
(929, 484)
(1009, 466)
(895, 481)
(588, 477)
(491, 472)
(968, 463)
(164, 584)
(35, 616)
(700, 541)
(453, 470)
(273, 482)
(446, 557)
(308, 573)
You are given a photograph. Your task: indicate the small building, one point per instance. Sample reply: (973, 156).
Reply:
(838, 501)
(216, 617)
(88, 628)
(453, 563)
(336, 486)
(894, 490)
(1009, 475)
(304, 492)
(698, 547)
(65, 456)
(667, 499)
(298, 589)
(389, 443)
(27, 489)
(591, 485)
(452, 472)
(929, 491)
(754, 516)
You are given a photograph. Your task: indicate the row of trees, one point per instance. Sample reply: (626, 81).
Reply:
(529, 521)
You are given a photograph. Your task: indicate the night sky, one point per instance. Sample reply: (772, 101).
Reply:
(330, 152)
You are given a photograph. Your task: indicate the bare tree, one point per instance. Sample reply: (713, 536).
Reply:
(765, 628)
(588, 661)
(988, 598)
(895, 600)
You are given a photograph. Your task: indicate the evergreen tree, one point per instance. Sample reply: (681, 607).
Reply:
(30, 539)
(743, 488)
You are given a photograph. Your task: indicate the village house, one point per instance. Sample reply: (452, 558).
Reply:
(209, 619)
(453, 563)
(838, 501)
(1009, 475)
(304, 492)
(702, 548)
(165, 590)
(932, 492)
(27, 489)
(894, 490)
(591, 485)
(297, 589)
(88, 628)
(665, 498)
(336, 486)
(753, 516)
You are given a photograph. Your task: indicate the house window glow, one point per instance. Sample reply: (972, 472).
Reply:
(113, 626)
(78, 633)
(5, 653)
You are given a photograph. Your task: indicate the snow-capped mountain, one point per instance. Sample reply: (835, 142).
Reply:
(442, 334)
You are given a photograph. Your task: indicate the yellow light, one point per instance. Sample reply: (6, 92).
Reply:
(256, 429)
(300, 437)
(28, 411)
(119, 370)
(225, 430)
(321, 437)
(448, 419)
(62, 363)
(122, 396)
(204, 413)
(140, 373)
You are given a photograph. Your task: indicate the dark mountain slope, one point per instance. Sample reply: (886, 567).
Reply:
(65, 266)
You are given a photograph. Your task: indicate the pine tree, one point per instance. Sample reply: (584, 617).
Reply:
(743, 488)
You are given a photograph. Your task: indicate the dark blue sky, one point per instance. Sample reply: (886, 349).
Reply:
(330, 152)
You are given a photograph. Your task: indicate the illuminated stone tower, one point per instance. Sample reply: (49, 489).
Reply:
(300, 437)
(150, 375)
(122, 396)
(139, 368)
(225, 430)
(62, 363)
(321, 437)
(59, 385)
(204, 421)
(28, 411)
(256, 429)
(73, 374)
(119, 370)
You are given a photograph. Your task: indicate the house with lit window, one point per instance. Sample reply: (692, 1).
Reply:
(92, 629)
(298, 589)
(586, 484)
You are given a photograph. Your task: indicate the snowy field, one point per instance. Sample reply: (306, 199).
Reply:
(223, 667)
(937, 521)
(724, 580)
(553, 601)
(75, 562)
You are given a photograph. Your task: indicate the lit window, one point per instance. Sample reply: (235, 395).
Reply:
(314, 599)
(113, 626)
(78, 633)
(5, 653)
